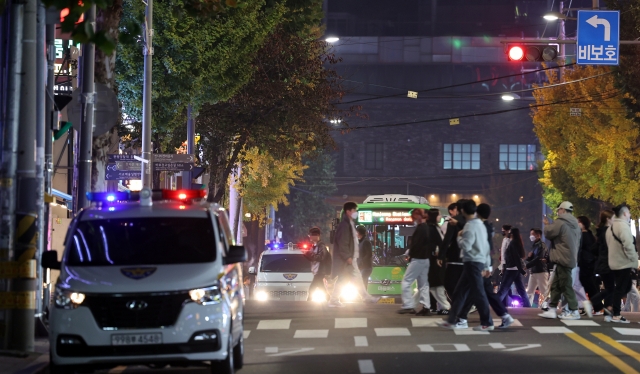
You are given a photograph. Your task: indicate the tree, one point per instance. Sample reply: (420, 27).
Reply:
(599, 150)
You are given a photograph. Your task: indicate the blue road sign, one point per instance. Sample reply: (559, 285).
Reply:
(598, 37)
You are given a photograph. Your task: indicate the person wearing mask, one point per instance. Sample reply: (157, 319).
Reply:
(318, 255)
(345, 256)
(365, 258)
(565, 235)
(418, 267)
(602, 301)
(623, 258)
(514, 255)
(587, 256)
(450, 253)
(477, 264)
(537, 265)
(436, 272)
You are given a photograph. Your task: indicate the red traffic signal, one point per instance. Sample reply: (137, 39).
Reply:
(515, 53)
(532, 52)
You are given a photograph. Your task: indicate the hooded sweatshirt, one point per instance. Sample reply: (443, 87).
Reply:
(565, 234)
(474, 243)
(622, 254)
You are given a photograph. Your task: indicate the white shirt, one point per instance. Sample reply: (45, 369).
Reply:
(503, 252)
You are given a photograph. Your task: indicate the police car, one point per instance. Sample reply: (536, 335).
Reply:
(148, 282)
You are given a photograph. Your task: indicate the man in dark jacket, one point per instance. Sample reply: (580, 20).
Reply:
(452, 255)
(317, 255)
(539, 274)
(365, 259)
(418, 267)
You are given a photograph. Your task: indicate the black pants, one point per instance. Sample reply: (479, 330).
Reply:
(588, 280)
(492, 297)
(317, 282)
(623, 286)
(510, 277)
(366, 273)
(452, 275)
(605, 295)
(471, 288)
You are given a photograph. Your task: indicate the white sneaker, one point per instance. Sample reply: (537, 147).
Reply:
(507, 320)
(462, 324)
(608, 318)
(545, 306)
(588, 308)
(572, 315)
(550, 314)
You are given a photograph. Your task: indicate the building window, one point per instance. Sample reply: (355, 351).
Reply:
(373, 156)
(462, 156)
(517, 157)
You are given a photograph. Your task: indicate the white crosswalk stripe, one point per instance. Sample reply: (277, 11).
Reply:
(627, 331)
(551, 329)
(393, 331)
(349, 323)
(311, 334)
(580, 322)
(274, 324)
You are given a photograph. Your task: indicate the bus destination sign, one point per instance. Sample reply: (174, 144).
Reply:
(379, 216)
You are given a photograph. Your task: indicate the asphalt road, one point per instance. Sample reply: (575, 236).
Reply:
(301, 337)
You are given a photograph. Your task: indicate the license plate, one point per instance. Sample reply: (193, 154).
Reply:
(388, 300)
(136, 339)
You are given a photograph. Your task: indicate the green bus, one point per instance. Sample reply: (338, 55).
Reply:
(389, 226)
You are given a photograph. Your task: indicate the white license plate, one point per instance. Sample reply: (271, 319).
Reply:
(136, 339)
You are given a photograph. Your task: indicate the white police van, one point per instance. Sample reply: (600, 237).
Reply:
(148, 282)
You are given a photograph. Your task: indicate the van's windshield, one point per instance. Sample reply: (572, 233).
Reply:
(285, 263)
(142, 241)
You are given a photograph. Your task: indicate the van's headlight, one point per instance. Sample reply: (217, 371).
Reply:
(65, 299)
(262, 296)
(206, 296)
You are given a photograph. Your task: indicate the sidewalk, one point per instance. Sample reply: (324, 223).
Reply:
(37, 362)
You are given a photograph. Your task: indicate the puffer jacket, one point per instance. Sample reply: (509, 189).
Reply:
(565, 234)
(622, 251)
(534, 259)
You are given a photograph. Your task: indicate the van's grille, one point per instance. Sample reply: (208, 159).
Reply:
(115, 310)
(275, 294)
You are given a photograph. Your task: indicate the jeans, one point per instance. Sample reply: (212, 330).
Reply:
(418, 268)
(563, 285)
(623, 285)
(605, 295)
(366, 273)
(452, 275)
(633, 299)
(510, 277)
(471, 287)
(541, 281)
(317, 283)
(492, 297)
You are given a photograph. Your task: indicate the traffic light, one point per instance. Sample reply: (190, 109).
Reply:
(532, 52)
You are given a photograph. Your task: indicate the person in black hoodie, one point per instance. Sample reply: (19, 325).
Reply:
(365, 260)
(452, 255)
(536, 262)
(602, 267)
(514, 256)
(436, 272)
(587, 257)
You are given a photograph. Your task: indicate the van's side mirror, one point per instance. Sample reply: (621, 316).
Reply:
(252, 270)
(49, 260)
(236, 254)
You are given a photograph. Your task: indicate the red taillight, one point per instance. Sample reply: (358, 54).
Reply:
(304, 246)
(183, 194)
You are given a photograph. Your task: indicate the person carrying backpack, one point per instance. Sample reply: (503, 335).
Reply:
(320, 263)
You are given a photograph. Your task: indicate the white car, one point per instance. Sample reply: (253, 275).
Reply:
(153, 283)
(282, 274)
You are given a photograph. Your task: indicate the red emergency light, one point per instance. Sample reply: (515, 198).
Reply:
(183, 194)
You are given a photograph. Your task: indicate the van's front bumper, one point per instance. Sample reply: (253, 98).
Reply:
(76, 338)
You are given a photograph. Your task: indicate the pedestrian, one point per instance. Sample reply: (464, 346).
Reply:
(602, 301)
(365, 258)
(623, 258)
(436, 272)
(418, 267)
(536, 262)
(587, 257)
(484, 211)
(345, 256)
(565, 235)
(632, 304)
(477, 264)
(506, 239)
(318, 255)
(514, 254)
(450, 254)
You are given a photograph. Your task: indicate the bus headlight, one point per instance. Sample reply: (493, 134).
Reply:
(206, 296)
(261, 296)
(349, 292)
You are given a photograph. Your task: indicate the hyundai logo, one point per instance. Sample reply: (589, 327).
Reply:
(386, 282)
(136, 305)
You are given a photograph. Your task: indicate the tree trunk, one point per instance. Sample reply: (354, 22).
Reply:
(107, 19)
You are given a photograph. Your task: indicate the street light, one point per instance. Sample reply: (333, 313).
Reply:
(510, 96)
(331, 39)
(554, 16)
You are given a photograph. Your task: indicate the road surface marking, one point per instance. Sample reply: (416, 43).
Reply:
(274, 324)
(629, 341)
(552, 330)
(392, 331)
(291, 352)
(498, 322)
(469, 332)
(311, 334)
(497, 346)
(431, 348)
(366, 367)
(627, 331)
(613, 360)
(361, 341)
(424, 322)
(580, 322)
(618, 346)
(349, 323)
(505, 347)
(271, 350)
(246, 333)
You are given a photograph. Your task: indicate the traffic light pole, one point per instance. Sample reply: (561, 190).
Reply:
(147, 175)
(41, 133)
(562, 46)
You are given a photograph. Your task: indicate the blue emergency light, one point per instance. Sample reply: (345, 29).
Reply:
(108, 197)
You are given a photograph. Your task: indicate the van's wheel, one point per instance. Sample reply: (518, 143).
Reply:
(225, 366)
(238, 354)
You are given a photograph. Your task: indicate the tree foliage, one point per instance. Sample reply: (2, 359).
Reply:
(599, 149)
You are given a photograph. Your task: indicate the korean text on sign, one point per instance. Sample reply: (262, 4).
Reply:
(598, 53)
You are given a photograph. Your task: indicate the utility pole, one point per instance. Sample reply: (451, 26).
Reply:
(41, 130)
(21, 322)
(187, 178)
(562, 46)
(10, 146)
(51, 117)
(147, 175)
(86, 120)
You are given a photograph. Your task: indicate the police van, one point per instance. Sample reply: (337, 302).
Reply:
(282, 274)
(148, 282)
